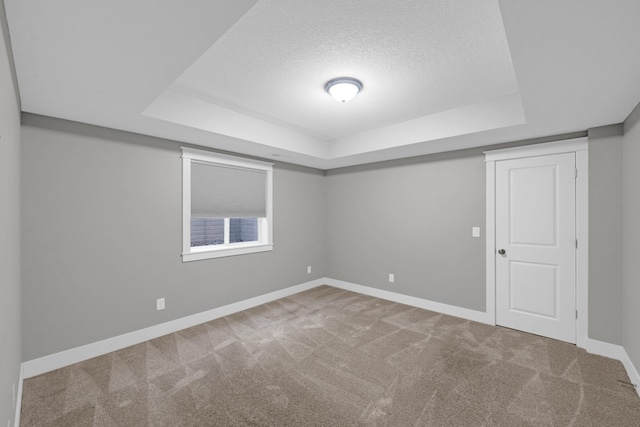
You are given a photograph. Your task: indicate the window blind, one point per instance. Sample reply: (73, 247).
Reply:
(219, 191)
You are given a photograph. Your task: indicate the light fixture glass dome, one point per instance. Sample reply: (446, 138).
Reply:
(343, 89)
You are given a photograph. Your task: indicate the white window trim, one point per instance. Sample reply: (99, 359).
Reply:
(265, 225)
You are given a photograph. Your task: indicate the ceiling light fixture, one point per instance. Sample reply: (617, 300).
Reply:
(343, 89)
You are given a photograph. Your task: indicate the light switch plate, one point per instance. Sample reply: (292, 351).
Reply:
(475, 232)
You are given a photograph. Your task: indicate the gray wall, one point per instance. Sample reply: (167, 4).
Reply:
(413, 218)
(83, 283)
(631, 237)
(10, 347)
(605, 233)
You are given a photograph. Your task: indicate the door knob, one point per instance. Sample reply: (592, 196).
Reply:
(502, 251)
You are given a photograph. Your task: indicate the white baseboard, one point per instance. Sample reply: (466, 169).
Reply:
(605, 349)
(54, 361)
(64, 358)
(465, 313)
(632, 372)
(16, 419)
(617, 352)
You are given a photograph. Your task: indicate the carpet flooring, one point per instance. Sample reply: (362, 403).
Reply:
(328, 357)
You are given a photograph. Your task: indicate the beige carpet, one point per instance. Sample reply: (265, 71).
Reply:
(328, 357)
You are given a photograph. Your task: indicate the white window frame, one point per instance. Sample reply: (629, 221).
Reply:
(265, 225)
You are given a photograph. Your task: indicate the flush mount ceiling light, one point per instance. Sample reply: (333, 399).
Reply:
(343, 89)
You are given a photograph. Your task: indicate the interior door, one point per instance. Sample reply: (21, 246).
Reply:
(536, 245)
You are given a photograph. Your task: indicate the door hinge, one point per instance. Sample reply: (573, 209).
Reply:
(576, 314)
(576, 173)
(576, 243)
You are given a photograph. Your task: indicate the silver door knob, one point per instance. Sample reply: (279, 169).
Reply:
(502, 251)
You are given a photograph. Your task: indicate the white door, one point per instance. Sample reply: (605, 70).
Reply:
(536, 245)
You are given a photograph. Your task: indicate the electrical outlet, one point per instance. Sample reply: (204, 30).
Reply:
(309, 269)
(160, 304)
(392, 278)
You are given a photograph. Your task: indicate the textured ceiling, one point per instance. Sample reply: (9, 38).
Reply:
(422, 58)
(247, 75)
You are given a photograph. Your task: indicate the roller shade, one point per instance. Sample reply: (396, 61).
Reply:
(219, 191)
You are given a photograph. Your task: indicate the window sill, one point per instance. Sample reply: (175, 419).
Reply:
(227, 251)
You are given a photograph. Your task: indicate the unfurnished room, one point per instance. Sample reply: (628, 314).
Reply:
(319, 213)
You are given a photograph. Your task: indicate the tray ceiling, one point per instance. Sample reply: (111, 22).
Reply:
(248, 76)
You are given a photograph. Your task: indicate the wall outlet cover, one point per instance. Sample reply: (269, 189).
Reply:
(392, 278)
(160, 304)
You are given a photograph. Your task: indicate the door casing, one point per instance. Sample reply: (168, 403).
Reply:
(579, 146)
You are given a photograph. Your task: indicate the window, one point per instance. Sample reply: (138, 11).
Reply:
(226, 205)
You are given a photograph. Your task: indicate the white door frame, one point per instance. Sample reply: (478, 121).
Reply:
(580, 147)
